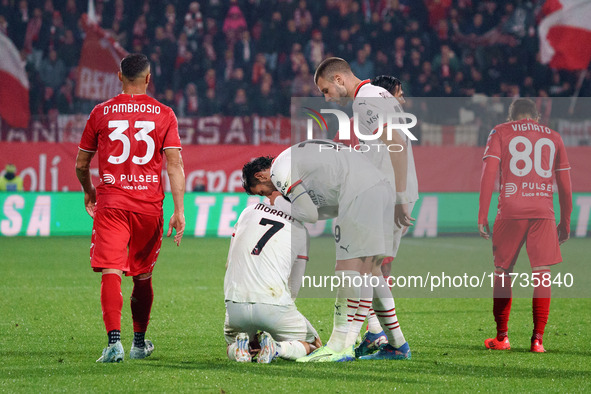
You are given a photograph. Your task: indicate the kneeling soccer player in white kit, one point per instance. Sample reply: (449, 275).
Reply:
(266, 261)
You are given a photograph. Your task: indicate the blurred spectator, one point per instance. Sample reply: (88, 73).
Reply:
(302, 17)
(33, 37)
(52, 71)
(235, 83)
(362, 67)
(20, 21)
(234, 23)
(65, 99)
(10, 181)
(186, 71)
(169, 99)
(303, 84)
(271, 40)
(157, 71)
(259, 68)
(69, 50)
(239, 106)
(315, 51)
(190, 103)
(266, 103)
(194, 17)
(244, 51)
(343, 46)
(210, 104)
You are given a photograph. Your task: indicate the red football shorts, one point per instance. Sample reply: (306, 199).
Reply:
(124, 240)
(539, 235)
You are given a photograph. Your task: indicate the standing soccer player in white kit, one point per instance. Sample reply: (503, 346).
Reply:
(336, 81)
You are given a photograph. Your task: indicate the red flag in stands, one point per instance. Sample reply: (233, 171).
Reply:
(565, 34)
(99, 61)
(14, 86)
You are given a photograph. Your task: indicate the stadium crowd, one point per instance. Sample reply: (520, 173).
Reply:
(243, 57)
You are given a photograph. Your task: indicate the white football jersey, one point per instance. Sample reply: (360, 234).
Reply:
(264, 247)
(371, 101)
(331, 173)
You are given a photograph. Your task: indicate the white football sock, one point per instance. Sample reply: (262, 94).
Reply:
(373, 324)
(385, 309)
(346, 291)
(361, 313)
(291, 350)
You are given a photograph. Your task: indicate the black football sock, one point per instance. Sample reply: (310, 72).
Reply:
(114, 336)
(138, 339)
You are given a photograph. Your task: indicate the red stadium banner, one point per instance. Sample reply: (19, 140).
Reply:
(99, 62)
(209, 130)
(50, 167)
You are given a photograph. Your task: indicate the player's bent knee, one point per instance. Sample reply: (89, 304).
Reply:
(143, 276)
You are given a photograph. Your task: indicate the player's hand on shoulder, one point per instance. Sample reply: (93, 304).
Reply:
(177, 221)
(484, 230)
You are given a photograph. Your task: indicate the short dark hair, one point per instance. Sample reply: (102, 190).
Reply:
(252, 167)
(521, 108)
(133, 65)
(329, 66)
(387, 82)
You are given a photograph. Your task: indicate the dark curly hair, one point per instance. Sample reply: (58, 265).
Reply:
(387, 82)
(252, 167)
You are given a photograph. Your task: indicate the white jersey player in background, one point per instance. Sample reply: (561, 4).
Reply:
(323, 180)
(266, 261)
(336, 82)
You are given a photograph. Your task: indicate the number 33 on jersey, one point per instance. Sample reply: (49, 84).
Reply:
(131, 133)
(530, 154)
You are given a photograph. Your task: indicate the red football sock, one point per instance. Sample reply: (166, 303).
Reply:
(141, 303)
(502, 303)
(111, 301)
(541, 304)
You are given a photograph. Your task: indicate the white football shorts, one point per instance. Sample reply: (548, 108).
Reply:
(283, 322)
(365, 226)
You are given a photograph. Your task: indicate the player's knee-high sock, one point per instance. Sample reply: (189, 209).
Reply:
(290, 350)
(142, 297)
(111, 303)
(345, 291)
(502, 297)
(541, 305)
(373, 324)
(361, 313)
(385, 308)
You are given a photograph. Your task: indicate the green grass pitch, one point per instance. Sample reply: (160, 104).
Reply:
(51, 331)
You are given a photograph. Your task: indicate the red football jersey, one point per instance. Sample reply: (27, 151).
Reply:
(130, 133)
(530, 154)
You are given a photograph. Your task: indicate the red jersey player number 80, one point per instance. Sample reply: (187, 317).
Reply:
(145, 127)
(524, 156)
